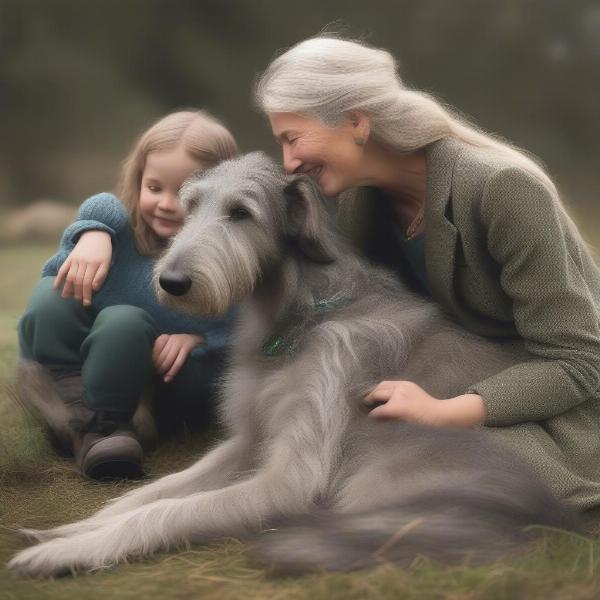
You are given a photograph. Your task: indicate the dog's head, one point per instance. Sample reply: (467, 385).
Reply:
(244, 217)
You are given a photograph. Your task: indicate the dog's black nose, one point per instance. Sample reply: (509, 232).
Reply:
(175, 283)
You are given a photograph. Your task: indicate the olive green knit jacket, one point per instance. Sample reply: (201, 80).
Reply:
(505, 260)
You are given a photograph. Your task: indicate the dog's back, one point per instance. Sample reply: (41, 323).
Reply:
(397, 490)
(407, 490)
(393, 490)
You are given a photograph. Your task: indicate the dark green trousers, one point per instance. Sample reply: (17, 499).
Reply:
(112, 349)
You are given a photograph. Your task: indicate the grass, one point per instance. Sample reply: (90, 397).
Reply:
(39, 489)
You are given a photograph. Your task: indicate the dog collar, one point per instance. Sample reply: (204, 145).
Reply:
(276, 344)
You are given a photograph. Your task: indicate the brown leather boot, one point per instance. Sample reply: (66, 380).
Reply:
(107, 449)
(103, 444)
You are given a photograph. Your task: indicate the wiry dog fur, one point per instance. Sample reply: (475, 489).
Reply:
(335, 489)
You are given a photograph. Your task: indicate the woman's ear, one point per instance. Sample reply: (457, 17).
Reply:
(361, 126)
(306, 228)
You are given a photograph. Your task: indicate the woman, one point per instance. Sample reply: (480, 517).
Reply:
(476, 225)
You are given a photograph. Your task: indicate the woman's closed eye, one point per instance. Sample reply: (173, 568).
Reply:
(286, 139)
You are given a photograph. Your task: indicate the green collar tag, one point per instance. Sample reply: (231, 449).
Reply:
(272, 346)
(275, 345)
(331, 303)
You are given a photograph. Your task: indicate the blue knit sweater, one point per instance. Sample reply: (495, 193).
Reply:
(129, 279)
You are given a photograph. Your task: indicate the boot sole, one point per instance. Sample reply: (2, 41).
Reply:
(113, 457)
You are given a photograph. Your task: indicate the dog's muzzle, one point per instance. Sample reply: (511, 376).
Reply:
(174, 283)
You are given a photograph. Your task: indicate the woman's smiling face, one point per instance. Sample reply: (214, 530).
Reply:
(329, 155)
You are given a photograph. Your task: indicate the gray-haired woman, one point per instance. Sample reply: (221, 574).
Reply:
(477, 225)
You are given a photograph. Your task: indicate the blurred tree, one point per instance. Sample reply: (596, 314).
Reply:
(79, 80)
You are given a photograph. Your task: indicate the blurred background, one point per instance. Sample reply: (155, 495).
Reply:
(79, 80)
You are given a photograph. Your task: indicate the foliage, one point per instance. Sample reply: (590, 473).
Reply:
(81, 79)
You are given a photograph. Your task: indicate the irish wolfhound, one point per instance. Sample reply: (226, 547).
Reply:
(318, 328)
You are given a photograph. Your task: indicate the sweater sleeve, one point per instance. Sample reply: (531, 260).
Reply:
(546, 271)
(102, 212)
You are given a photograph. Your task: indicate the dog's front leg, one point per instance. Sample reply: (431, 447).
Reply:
(213, 470)
(286, 485)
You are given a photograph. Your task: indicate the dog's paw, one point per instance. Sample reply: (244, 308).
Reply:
(43, 560)
(60, 556)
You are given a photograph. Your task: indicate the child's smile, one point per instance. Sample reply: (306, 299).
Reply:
(163, 174)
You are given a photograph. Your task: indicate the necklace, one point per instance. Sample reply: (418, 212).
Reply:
(411, 230)
(399, 208)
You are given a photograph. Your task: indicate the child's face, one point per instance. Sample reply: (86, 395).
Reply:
(163, 174)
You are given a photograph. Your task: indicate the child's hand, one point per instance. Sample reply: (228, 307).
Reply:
(86, 267)
(406, 401)
(171, 350)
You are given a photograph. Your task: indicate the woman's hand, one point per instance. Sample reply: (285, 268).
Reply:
(171, 350)
(406, 401)
(86, 267)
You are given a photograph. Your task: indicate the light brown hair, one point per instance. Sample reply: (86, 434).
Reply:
(203, 136)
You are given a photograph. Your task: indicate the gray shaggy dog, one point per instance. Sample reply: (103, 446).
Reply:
(302, 468)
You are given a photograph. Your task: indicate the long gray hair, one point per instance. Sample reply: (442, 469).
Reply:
(326, 77)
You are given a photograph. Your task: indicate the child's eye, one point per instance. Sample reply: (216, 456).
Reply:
(154, 188)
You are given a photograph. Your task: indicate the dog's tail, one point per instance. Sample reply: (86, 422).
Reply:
(452, 526)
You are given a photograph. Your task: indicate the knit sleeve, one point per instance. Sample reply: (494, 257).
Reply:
(546, 271)
(102, 212)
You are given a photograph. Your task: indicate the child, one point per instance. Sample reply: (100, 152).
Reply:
(104, 339)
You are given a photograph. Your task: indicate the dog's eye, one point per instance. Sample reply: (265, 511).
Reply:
(191, 204)
(237, 213)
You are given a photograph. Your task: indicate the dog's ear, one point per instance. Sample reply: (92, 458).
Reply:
(307, 220)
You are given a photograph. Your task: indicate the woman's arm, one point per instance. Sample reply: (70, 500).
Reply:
(406, 401)
(555, 290)
(554, 285)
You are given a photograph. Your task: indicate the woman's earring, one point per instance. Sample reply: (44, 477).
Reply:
(359, 141)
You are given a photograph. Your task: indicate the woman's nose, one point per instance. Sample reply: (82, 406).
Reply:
(290, 162)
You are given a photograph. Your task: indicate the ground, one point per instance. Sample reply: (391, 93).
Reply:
(39, 489)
